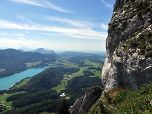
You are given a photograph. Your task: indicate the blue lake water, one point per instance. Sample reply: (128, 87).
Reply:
(7, 82)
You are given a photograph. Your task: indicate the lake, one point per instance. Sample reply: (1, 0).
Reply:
(7, 82)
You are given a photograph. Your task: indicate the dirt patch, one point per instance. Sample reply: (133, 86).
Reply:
(114, 91)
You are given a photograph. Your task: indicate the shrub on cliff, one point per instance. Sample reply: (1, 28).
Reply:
(125, 101)
(97, 89)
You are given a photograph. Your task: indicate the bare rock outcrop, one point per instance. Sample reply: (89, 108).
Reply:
(129, 45)
(83, 103)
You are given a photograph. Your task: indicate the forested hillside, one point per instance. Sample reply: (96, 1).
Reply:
(41, 93)
(37, 96)
(13, 61)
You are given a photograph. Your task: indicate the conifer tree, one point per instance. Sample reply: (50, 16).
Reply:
(63, 107)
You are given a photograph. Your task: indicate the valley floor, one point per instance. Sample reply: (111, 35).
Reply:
(76, 75)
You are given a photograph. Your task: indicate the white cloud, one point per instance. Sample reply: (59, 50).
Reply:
(55, 7)
(68, 21)
(76, 46)
(19, 34)
(24, 19)
(3, 33)
(16, 34)
(107, 5)
(19, 38)
(49, 34)
(18, 43)
(86, 33)
(104, 26)
(43, 3)
(28, 2)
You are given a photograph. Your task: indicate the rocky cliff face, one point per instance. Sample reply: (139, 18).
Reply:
(83, 103)
(129, 45)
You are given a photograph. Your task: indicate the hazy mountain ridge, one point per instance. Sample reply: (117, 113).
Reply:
(43, 51)
(19, 54)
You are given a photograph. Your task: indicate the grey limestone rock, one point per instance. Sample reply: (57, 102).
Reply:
(83, 103)
(128, 63)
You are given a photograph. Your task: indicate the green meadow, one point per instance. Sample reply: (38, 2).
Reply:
(21, 83)
(67, 77)
(4, 96)
(31, 64)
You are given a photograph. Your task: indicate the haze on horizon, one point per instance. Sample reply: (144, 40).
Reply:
(55, 24)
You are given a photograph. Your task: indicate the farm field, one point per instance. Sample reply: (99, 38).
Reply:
(87, 64)
(21, 83)
(4, 96)
(31, 64)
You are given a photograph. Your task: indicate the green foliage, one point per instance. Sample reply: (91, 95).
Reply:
(141, 52)
(28, 99)
(142, 46)
(48, 106)
(142, 8)
(79, 58)
(97, 90)
(131, 102)
(149, 54)
(99, 107)
(145, 88)
(2, 108)
(149, 48)
(141, 12)
(78, 86)
(100, 103)
(30, 64)
(117, 47)
(125, 102)
(63, 108)
(140, 3)
(20, 83)
(134, 102)
(120, 97)
(108, 97)
(112, 25)
(139, 42)
(127, 10)
(48, 79)
(4, 98)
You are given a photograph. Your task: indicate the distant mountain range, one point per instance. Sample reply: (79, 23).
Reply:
(25, 49)
(43, 51)
(39, 50)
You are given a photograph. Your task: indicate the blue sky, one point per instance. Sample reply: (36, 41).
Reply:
(55, 24)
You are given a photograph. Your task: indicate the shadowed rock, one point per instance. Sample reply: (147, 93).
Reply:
(83, 103)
